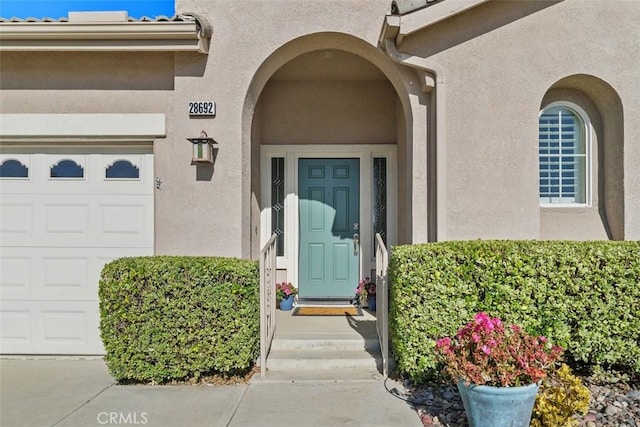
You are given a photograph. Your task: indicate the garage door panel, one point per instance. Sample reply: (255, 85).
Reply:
(16, 220)
(50, 327)
(69, 327)
(64, 275)
(15, 276)
(126, 223)
(66, 219)
(15, 329)
(123, 219)
(60, 326)
(48, 274)
(56, 221)
(57, 233)
(51, 275)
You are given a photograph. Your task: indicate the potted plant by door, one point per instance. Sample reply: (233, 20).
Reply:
(498, 369)
(285, 293)
(371, 295)
(366, 291)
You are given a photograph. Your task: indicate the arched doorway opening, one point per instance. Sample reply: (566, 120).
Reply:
(327, 131)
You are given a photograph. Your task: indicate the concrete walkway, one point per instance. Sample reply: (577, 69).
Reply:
(41, 392)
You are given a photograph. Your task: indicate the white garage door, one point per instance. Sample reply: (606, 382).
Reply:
(64, 213)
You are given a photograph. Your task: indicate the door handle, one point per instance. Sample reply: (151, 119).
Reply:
(356, 243)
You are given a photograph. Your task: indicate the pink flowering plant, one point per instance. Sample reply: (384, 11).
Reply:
(365, 288)
(284, 289)
(486, 352)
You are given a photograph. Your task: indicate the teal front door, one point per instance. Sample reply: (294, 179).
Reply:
(329, 208)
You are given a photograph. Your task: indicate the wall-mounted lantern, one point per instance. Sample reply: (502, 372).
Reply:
(202, 148)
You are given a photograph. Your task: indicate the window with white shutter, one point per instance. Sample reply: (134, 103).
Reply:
(564, 156)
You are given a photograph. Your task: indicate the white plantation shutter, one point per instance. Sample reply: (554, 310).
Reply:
(563, 157)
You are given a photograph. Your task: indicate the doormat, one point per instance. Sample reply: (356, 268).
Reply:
(327, 311)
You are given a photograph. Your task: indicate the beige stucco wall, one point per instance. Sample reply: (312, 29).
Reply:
(497, 62)
(83, 82)
(204, 209)
(328, 97)
(333, 112)
(251, 41)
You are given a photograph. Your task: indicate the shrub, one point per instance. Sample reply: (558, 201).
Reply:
(165, 318)
(561, 397)
(486, 352)
(583, 296)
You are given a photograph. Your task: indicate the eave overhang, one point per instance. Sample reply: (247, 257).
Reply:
(400, 26)
(190, 34)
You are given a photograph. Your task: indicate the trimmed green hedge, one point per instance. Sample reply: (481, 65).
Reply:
(585, 296)
(165, 318)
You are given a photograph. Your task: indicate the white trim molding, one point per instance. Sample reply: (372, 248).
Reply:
(188, 34)
(52, 127)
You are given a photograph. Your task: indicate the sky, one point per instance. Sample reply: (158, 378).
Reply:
(60, 8)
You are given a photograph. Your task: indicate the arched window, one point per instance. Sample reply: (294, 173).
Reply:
(122, 169)
(564, 152)
(12, 168)
(66, 169)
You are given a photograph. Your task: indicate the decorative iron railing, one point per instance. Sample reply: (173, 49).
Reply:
(267, 300)
(382, 301)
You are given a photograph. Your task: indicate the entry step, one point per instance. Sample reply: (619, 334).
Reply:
(320, 359)
(328, 344)
(338, 375)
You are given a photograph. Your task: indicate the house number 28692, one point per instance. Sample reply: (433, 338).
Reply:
(202, 108)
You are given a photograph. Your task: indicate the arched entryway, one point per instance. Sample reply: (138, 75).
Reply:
(326, 133)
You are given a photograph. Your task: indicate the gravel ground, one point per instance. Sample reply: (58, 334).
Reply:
(615, 405)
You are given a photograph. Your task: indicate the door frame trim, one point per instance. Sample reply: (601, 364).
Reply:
(291, 154)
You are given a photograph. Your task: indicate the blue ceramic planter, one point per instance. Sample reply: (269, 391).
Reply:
(498, 406)
(286, 304)
(371, 302)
